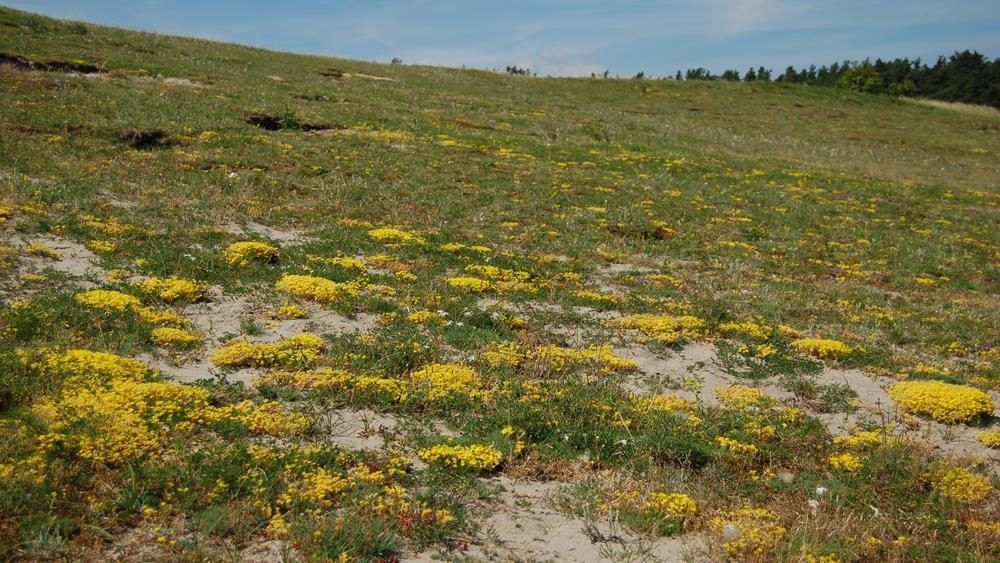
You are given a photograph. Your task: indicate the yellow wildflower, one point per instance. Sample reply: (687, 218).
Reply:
(476, 457)
(388, 234)
(241, 253)
(316, 289)
(845, 462)
(173, 289)
(664, 328)
(959, 484)
(673, 504)
(475, 285)
(165, 336)
(297, 350)
(944, 402)
(989, 438)
(822, 348)
(443, 380)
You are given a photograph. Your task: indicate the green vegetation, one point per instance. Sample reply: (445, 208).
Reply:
(964, 77)
(659, 301)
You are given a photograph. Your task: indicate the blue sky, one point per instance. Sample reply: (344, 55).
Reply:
(570, 37)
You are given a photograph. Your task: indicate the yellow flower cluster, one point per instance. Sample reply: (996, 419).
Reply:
(110, 226)
(84, 367)
(112, 409)
(672, 504)
(268, 418)
(741, 397)
(749, 328)
(298, 350)
(989, 438)
(42, 251)
(102, 246)
(559, 359)
(556, 358)
(984, 528)
(661, 280)
(960, 485)
(108, 301)
(166, 336)
(325, 380)
(477, 457)
(822, 348)
(761, 351)
(390, 235)
(845, 462)
(663, 328)
(757, 533)
(503, 279)
(497, 274)
(475, 285)
(174, 289)
(320, 486)
(598, 297)
(944, 402)
(391, 500)
(444, 380)
(735, 446)
(459, 247)
(664, 403)
(159, 317)
(316, 289)
(506, 354)
(241, 253)
(397, 390)
(426, 318)
(291, 311)
(863, 440)
(123, 420)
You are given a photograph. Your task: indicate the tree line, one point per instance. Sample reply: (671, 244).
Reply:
(966, 76)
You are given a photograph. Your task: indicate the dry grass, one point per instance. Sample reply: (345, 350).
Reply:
(968, 109)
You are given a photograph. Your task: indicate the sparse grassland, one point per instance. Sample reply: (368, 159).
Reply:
(261, 305)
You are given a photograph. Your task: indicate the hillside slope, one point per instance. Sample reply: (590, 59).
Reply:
(398, 311)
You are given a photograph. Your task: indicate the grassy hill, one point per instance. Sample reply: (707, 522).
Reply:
(635, 319)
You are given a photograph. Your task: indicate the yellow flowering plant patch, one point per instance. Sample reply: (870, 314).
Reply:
(663, 328)
(298, 350)
(391, 235)
(944, 402)
(475, 457)
(168, 336)
(672, 504)
(444, 380)
(243, 253)
(845, 462)
(989, 438)
(748, 533)
(475, 285)
(823, 348)
(315, 288)
(174, 289)
(959, 484)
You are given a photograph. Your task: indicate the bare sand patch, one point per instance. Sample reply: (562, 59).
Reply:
(74, 259)
(283, 236)
(361, 429)
(664, 373)
(524, 525)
